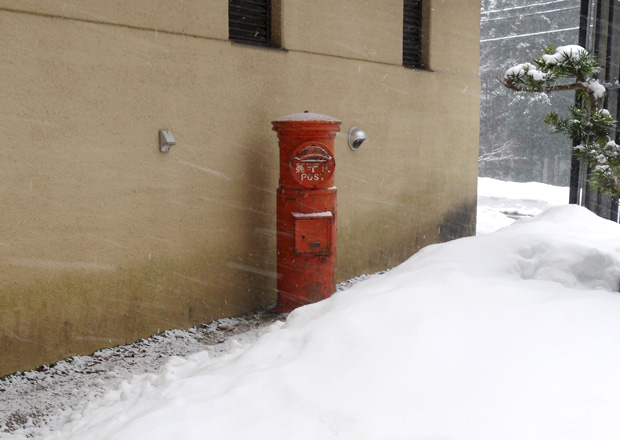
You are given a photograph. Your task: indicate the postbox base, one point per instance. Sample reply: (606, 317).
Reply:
(306, 247)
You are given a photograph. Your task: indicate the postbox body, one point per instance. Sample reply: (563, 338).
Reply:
(306, 209)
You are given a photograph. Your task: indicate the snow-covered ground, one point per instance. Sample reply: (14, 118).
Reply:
(511, 334)
(501, 203)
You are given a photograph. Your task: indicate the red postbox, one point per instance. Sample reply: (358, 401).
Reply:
(306, 205)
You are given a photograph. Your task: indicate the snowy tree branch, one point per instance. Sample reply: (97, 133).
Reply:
(589, 123)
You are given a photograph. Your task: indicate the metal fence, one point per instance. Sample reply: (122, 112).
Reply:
(599, 32)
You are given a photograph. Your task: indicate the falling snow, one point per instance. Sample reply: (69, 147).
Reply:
(511, 334)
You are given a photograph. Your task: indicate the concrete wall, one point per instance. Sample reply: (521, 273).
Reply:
(106, 240)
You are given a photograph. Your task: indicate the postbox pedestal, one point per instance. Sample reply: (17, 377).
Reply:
(306, 247)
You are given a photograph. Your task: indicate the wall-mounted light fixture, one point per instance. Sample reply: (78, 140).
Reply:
(356, 138)
(166, 140)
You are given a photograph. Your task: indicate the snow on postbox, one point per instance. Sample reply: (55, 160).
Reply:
(306, 209)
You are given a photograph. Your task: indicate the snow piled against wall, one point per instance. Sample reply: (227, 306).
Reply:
(509, 335)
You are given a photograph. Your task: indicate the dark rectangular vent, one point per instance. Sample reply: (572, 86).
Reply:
(412, 34)
(249, 21)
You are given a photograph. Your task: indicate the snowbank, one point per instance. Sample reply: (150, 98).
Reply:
(510, 335)
(500, 203)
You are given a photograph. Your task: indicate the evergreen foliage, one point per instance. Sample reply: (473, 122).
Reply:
(588, 124)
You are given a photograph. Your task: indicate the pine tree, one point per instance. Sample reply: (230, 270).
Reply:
(589, 124)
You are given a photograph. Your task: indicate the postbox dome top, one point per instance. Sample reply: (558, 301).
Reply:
(306, 116)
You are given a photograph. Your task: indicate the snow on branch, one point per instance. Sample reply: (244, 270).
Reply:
(574, 68)
(553, 68)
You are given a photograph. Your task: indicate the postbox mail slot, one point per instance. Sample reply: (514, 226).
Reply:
(313, 153)
(312, 165)
(313, 232)
(316, 159)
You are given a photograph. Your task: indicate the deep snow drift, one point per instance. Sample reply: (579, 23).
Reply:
(500, 203)
(508, 335)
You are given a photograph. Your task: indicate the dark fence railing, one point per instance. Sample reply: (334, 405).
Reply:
(599, 32)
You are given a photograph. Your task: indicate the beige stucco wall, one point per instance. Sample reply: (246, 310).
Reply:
(106, 240)
(201, 18)
(454, 36)
(365, 30)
